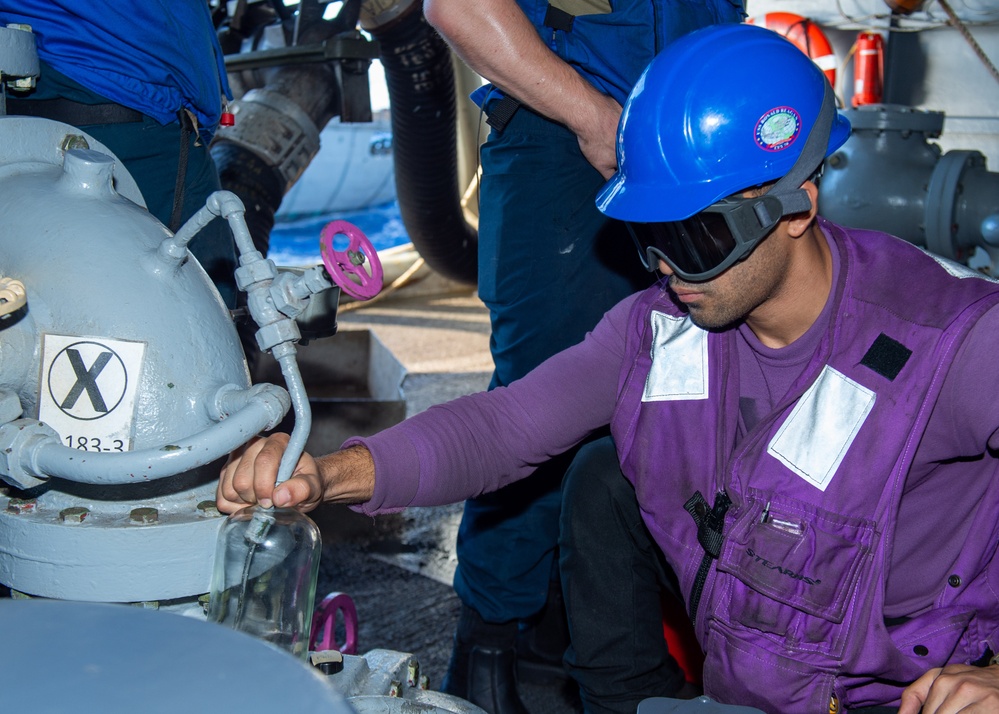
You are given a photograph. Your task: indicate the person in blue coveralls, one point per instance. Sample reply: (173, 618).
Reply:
(549, 267)
(147, 80)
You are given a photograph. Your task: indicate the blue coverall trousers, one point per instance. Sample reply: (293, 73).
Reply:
(550, 266)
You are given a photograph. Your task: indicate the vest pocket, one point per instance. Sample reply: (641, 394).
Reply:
(795, 569)
(738, 670)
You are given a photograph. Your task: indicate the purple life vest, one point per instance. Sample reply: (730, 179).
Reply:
(791, 596)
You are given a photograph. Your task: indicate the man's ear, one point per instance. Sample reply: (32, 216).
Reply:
(799, 222)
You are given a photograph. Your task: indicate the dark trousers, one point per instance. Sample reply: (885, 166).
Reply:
(613, 580)
(550, 266)
(614, 577)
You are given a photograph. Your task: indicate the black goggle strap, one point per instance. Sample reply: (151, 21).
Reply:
(788, 189)
(786, 197)
(749, 219)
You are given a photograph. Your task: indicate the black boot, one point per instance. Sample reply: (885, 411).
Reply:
(483, 663)
(542, 641)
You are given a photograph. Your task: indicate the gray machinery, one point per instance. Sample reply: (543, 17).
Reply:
(291, 72)
(915, 165)
(124, 383)
(123, 387)
(889, 177)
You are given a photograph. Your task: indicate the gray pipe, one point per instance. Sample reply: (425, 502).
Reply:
(41, 455)
(303, 411)
(257, 271)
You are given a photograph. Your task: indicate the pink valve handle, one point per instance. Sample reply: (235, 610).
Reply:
(345, 265)
(324, 624)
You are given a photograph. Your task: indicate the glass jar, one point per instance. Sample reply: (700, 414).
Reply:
(264, 581)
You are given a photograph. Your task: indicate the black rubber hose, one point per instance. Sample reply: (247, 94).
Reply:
(420, 82)
(256, 183)
(312, 88)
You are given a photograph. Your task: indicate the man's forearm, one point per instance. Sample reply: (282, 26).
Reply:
(495, 39)
(347, 476)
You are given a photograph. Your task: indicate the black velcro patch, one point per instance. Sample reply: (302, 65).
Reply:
(886, 356)
(558, 19)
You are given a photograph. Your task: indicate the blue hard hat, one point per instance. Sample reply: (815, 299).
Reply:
(722, 109)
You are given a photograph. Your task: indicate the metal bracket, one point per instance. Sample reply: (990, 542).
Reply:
(349, 46)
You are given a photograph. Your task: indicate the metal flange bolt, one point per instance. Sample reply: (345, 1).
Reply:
(144, 516)
(73, 514)
(21, 505)
(208, 509)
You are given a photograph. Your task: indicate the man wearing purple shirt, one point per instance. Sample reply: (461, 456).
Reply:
(802, 414)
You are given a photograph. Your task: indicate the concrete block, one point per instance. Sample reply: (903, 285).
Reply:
(354, 385)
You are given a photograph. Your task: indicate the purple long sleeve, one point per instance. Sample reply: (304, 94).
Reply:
(478, 443)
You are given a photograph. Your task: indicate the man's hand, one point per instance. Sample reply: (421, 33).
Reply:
(597, 133)
(248, 477)
(955, 688)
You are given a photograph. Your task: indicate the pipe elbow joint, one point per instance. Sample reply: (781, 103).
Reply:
(229, 399)
(225, 204)
(276, 402)
(20, 442)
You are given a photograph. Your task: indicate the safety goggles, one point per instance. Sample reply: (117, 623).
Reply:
(710, 242)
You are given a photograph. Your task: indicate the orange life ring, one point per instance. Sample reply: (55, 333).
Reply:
(806, 35)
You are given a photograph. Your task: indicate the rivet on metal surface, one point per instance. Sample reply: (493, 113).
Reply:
(144, 515)
(74, 141)
(73, 514)
(21, 505)
(208, 509)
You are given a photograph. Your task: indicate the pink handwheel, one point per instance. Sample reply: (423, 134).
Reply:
(324, 624)
(345, 266)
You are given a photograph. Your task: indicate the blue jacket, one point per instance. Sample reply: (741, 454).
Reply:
(155, 56)
(612, 41)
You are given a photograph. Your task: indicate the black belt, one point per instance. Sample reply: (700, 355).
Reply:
(73, 113)
(501, 112)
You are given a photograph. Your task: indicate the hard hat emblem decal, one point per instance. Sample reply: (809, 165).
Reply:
(778, 128)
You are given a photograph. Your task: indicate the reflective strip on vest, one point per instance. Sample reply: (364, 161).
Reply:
(679, 360)
(957, 270)
(582, 7)
(822, 426)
